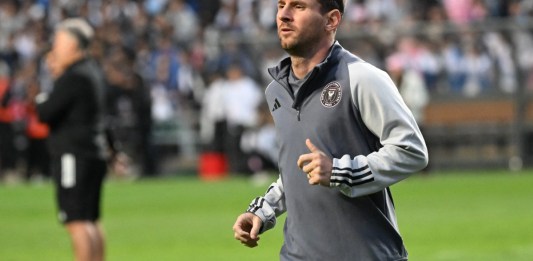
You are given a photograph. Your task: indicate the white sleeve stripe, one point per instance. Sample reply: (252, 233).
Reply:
(352, 174)
(269, 206)
(351, 182)
(269, 189)
(351, 169)
(256, 204)
(362, 177)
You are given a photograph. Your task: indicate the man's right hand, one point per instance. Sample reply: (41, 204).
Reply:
(247, 228)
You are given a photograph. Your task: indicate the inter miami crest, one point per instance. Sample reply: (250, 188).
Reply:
(331, 95)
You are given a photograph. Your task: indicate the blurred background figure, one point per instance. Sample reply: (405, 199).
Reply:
(212, 117)
(7, 136)
(212, 161)
(241, 97)
(261, 146)
(37, 156)
(478, 70)
(129, 109)
(74, 110)
(410, 84)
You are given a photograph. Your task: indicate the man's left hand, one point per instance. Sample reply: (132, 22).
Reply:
(316, 164)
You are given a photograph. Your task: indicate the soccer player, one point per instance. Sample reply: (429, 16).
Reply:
(74, 112)
(345, 136)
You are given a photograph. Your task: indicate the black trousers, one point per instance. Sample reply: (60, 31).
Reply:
(8, 158)
(38, 158)
(237, 159)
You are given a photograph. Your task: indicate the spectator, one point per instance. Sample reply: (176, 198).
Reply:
(260, 144)
(411, 86)
(183, 20)
(523, 40)
(237, 16)
(212, 116)
(154, 6)
(10, 56)
(7, 146)
(233, 52)
(479, 10)
(420, 58)
(122, 12)
(241, 99)
(452, 57)
(226, 16)
(37, 156)
(129, 107)
(478, 67)
(13, 21)
(437, 24)
(501, 54)
(458, 10)
(267, 10)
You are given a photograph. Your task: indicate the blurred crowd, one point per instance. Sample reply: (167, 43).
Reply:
(201, 66)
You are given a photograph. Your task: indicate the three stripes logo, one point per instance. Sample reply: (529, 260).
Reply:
(277, 105)
(351, 177)
(256, 204)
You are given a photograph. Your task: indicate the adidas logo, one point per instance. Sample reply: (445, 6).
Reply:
(276, 105)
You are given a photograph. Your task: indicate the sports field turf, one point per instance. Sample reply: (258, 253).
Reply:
(446, 216)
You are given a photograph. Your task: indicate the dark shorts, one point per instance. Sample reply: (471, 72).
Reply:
(78, 183)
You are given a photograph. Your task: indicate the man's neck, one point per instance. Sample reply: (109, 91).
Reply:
(303, 64)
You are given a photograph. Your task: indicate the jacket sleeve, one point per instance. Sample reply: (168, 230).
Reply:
(269, 206)
(403, 150)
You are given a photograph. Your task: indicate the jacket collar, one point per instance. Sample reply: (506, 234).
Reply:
(280, 73)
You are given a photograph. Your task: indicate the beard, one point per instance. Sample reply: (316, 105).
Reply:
(300, 44)
(290, 45)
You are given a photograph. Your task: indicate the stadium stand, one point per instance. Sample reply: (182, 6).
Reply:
(473, 57)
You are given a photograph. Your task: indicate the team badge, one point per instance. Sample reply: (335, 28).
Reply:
(331, 95)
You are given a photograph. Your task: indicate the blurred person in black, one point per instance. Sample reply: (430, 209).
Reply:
(37, 156)
(7, 135)
(74, 112)
(129, 106)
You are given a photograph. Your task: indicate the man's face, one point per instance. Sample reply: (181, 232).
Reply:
(52, 65)
(64, 48)
(300, 24)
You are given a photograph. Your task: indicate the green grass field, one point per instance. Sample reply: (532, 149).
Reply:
(446, 216)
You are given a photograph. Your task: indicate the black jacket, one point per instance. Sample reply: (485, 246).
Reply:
(74, 111)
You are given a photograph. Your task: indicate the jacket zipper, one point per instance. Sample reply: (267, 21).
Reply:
(303, 92)
(294, 97)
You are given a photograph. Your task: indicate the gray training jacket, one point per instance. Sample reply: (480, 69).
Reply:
(353, 112)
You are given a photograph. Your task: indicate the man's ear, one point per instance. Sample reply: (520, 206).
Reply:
(333, 20)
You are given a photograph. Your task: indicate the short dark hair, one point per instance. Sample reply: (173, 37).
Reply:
(328, 5)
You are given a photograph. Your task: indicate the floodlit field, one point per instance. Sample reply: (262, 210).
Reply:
(445, 216)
